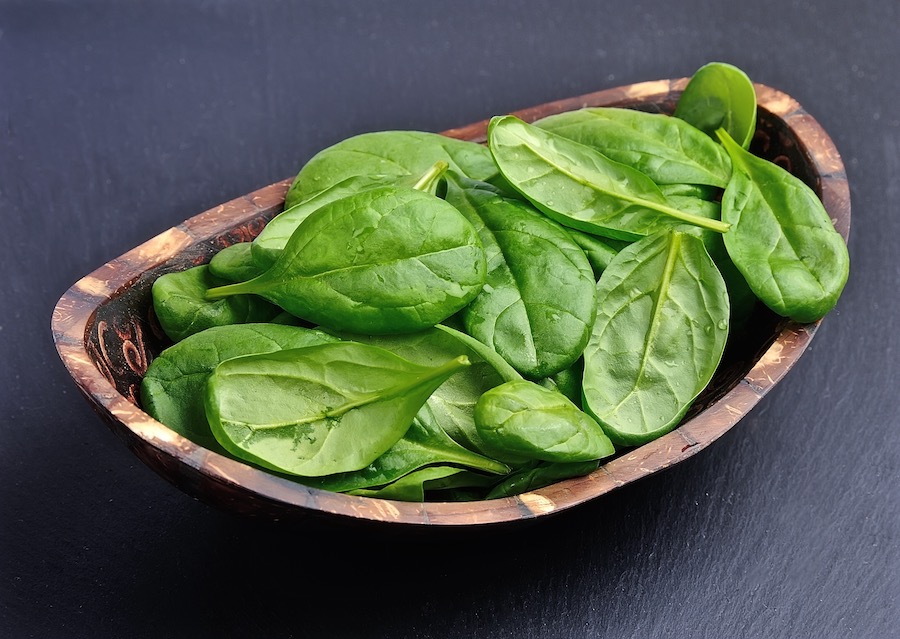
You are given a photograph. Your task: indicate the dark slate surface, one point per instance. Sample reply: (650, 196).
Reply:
(120, 119)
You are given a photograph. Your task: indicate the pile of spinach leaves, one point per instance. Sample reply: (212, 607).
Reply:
(446, 320)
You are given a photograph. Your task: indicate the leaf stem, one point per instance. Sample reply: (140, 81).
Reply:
(485, 352)
(432, 175)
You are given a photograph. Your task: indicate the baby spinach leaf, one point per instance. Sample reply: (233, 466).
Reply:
(599, 251)
(424, 444)
(235, 263)
(720, 95)
(523, 419)
(410, 487)
(701, 191)
(271, 241)
(173, 387)
(485, 352)
(395, 154)
(567, 382)
(451, 407)
(268, 245)
(182, 307)
(386, 260)
(665, 149)
(579, 187)
(662, 322)
(782, 239)
(537, 304)
(539, 474)
(318, 410)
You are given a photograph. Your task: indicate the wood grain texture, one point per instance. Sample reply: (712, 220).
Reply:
(106, 335)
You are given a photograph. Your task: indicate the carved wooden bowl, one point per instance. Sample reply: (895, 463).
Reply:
(106, 335)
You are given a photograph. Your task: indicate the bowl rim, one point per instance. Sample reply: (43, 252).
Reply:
(161, 448)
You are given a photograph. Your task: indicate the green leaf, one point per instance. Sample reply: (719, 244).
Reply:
(666, 149)
(386, 260)
(182, 307)
(318, 410)
(268, 245)
(662, 323)
(173, 388)
(411, 487)
(537, 304)
(451, 407)
(394, 154)
(782, 240)
(424, 444)
(720, 95)
(581, 188)
(525, 420)
(235, 263)
(539, 474)
(274, 237)
(599, 251)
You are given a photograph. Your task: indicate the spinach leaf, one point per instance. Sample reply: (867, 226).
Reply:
(268, 245)
(665, 149)
(235, 263)
(182, 307)
(523, 419)
(318, 410)
(173, 387)
(386, 260)
(539, 474)
(424, 444)
(579, 187)
(451, 407)
(599, 251)
(411, 487)
(662, 323)
(567, 382)
(782, 239)
(537, 304)
(485, 352)
(720, 95)
(395, 154)
(274, 237)
(701, 191)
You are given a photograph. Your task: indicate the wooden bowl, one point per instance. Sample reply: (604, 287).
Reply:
(106, 336)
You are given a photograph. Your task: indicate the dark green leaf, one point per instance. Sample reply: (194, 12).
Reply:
(579, 187)
(666, 149)
(235, 263)
(662, 323)
(720, 95)
(537, 305)
(173, 388)
(385, 260)
(318, 410)
(525, 420)
(539, 474)
(183, 309)
(395, 154)
(782, 239)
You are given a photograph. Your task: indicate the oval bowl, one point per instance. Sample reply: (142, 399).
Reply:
(106, 335)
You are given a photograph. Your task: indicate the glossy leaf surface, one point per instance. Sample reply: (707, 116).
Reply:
(539, 474)
(235, 263)
(394, 154)
(424, 444)
(318, 410)
(173, 388)
(537, 306)
(720, 95)
(782, 239)
(451, 407)
(666, 149)
(662, 323)
(381, 261)
(527, 420)
(182, 307)
(579, 187)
